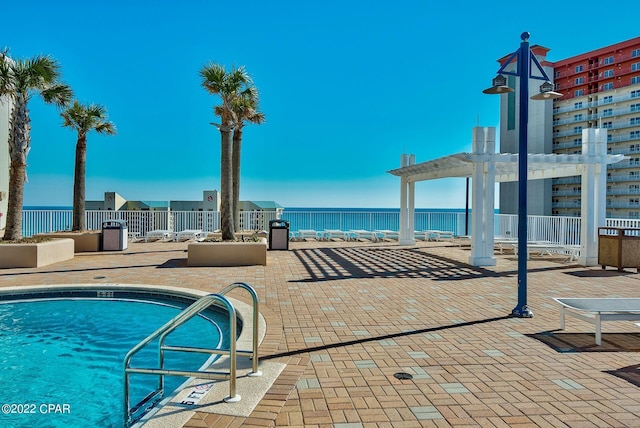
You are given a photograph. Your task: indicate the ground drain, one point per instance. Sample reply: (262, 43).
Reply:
(403, 376)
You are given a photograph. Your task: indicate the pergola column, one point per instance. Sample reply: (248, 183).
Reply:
(594, 193)
(482, 198)
(407, 205)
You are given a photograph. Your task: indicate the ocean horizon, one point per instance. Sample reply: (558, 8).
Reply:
(296, 209)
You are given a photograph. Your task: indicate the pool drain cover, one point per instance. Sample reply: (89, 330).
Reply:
(403, 376)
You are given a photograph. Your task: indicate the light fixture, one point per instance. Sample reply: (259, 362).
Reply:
(546, 92)
(499, 86)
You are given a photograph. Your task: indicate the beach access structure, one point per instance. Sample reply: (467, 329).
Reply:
(554, 229)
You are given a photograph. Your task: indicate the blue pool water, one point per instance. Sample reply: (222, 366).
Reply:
(69, 354)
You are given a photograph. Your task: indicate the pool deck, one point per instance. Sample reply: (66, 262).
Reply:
(346, 316)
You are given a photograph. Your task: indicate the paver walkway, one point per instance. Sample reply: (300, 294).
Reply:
(346, 317)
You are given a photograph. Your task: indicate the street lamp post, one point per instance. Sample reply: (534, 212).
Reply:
(525, 59)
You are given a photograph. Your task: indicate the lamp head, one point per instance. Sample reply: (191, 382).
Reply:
(499, 86)
(546, 92)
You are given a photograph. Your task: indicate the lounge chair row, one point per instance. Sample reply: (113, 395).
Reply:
(375, 235)
(169, 235)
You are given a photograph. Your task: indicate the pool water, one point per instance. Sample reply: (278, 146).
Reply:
(61, 361)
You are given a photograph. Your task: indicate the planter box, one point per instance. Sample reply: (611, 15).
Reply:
(85, 242)
(35, 255)
(227, 254)
(619, 247)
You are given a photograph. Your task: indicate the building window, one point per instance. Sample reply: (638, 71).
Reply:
(635, 80)
(634, 148)
(607, 112)
(635, 53)
(607, 86)
(634, 201)
(608, 60)
(635, 66)
(577, 141)
(578, 68)
(608, 99)
(577, 129)
(578, 93)
(634, 214)
(634, 107)
(609, 139)
(635, 94)
(634, 187)
(576, 106)
(634, 135)
(608, 73)
(607, 125)
(577, 117)
(634, 121)
(579, 81)
(634, 174)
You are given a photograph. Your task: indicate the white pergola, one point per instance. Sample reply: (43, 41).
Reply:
(486, 167)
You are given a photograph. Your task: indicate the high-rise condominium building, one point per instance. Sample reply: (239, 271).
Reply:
(601, 89)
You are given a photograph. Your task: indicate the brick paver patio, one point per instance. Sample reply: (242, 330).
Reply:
(346, 317)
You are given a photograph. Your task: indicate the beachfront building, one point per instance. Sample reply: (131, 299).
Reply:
(601, 89)
(210, 202)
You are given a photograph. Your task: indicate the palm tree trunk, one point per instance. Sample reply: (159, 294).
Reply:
(79, 221)
(226, 185)
(13, 228)
(19, 142)
(235, 161)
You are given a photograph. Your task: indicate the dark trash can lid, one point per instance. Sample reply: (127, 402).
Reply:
(278, 223)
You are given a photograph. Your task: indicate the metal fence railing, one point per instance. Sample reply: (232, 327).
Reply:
(561, 230)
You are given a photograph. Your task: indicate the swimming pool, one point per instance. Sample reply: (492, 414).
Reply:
(61, 353)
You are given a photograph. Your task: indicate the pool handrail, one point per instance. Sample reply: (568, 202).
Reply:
(193, 310)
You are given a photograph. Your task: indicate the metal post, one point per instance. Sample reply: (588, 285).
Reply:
(524, 60)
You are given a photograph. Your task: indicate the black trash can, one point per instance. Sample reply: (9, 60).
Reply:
(115, 235)
(278, 235)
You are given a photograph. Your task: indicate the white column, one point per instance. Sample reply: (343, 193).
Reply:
(594, 193)
(482, 198)
(407, 208)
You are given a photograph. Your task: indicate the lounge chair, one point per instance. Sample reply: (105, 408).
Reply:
(159, 234)
(307, 234)
(550, 248)
(603, 309)
(388, 235)
(360, 234)
(329, 234)
(195, 234)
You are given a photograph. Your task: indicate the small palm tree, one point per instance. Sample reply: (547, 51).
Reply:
(229, 86)
(20, 80)
(246, 109)
(84, 118)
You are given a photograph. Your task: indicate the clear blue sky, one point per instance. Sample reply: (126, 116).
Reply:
(346, 87)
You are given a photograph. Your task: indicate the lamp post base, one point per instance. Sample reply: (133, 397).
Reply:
(522, 312)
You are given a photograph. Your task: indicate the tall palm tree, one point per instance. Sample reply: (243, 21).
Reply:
(20, 80)
(228, 86)
(246, 109)
(84, 118)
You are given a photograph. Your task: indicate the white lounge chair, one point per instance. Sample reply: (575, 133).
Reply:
(550, 248)
(307, 234)
(603, 309)
(363, 234)
(195, 234)
(388, 234)
(159, 234)
(329, 234)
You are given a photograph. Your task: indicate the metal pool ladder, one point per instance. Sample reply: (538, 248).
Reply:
(161, 333)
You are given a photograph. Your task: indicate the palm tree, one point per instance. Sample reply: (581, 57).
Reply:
(245, 108)
(84, 118)
(19, 81)
(229, 86)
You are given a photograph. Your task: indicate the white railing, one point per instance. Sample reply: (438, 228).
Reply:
(556, 229)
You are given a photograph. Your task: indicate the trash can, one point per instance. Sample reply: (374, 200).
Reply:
(278, 235)
(114, 235)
